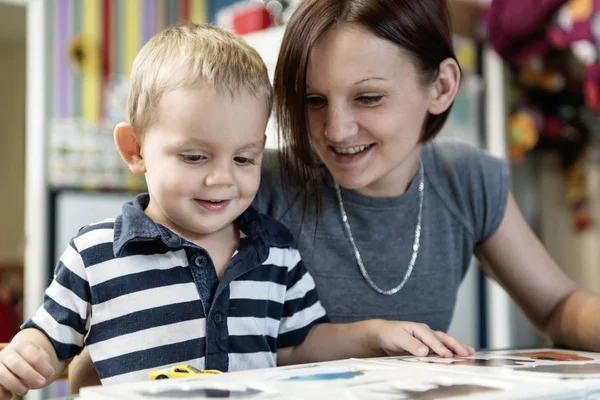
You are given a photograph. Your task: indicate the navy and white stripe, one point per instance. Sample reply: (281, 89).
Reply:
(141, 298)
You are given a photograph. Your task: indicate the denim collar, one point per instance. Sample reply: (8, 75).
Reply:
(133, 225)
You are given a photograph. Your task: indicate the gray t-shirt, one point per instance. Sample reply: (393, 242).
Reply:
(465, 197)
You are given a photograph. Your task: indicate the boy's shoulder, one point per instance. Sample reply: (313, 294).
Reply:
(96, 233)
(108, 223)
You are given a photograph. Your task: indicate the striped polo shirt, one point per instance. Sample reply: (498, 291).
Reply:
(141, 298)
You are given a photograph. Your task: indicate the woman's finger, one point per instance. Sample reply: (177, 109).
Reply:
(454, 344)
(403, 341)
(428, 337)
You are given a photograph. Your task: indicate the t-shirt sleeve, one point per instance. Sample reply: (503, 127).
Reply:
(270, 183)
(64, 314)
(495, 183)
(276, 196)
(473, 182)
(302, 308)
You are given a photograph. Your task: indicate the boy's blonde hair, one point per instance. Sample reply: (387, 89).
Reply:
(181, 57)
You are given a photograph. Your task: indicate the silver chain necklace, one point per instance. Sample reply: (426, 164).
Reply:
(416, 242)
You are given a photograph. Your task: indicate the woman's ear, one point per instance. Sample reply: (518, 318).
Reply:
(129, 147)
(445, 87)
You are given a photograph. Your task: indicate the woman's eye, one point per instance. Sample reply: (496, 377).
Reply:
(192, 158)
(243, 160)
(370, 99)
(315, 101)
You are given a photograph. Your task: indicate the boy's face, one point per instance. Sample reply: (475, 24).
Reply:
(202, 159)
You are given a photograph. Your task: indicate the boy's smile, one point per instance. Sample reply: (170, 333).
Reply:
(213, 205)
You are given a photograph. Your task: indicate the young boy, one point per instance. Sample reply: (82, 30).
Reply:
(189, 272)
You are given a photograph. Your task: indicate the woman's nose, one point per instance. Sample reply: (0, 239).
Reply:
(340, 124)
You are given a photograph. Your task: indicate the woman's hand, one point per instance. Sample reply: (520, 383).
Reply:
(397, 337)
(371, 338)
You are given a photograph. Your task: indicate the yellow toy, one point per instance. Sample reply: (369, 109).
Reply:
(180, 371)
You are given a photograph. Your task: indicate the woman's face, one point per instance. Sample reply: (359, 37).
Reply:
(366, 109)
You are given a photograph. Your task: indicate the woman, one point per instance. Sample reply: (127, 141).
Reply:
(362, 88)
(387, 219)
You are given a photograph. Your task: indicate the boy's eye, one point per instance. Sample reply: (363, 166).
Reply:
(192, 158)
(369, 99)
(243, 160)
(314, 101)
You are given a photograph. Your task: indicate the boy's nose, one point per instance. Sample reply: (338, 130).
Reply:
(219, 176)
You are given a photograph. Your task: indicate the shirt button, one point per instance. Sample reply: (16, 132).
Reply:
(200, 261)
(218, 318)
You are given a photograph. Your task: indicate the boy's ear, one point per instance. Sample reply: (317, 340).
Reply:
(129, 147)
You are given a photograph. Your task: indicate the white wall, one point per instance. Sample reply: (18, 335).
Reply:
(267, 43)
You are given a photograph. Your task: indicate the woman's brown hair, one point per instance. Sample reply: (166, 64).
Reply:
(420, 27)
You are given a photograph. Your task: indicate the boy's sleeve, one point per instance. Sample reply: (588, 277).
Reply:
(302, 308)
(67, 303)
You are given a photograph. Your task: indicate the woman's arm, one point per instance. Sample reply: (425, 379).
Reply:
(371, 338)
(515, 257)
